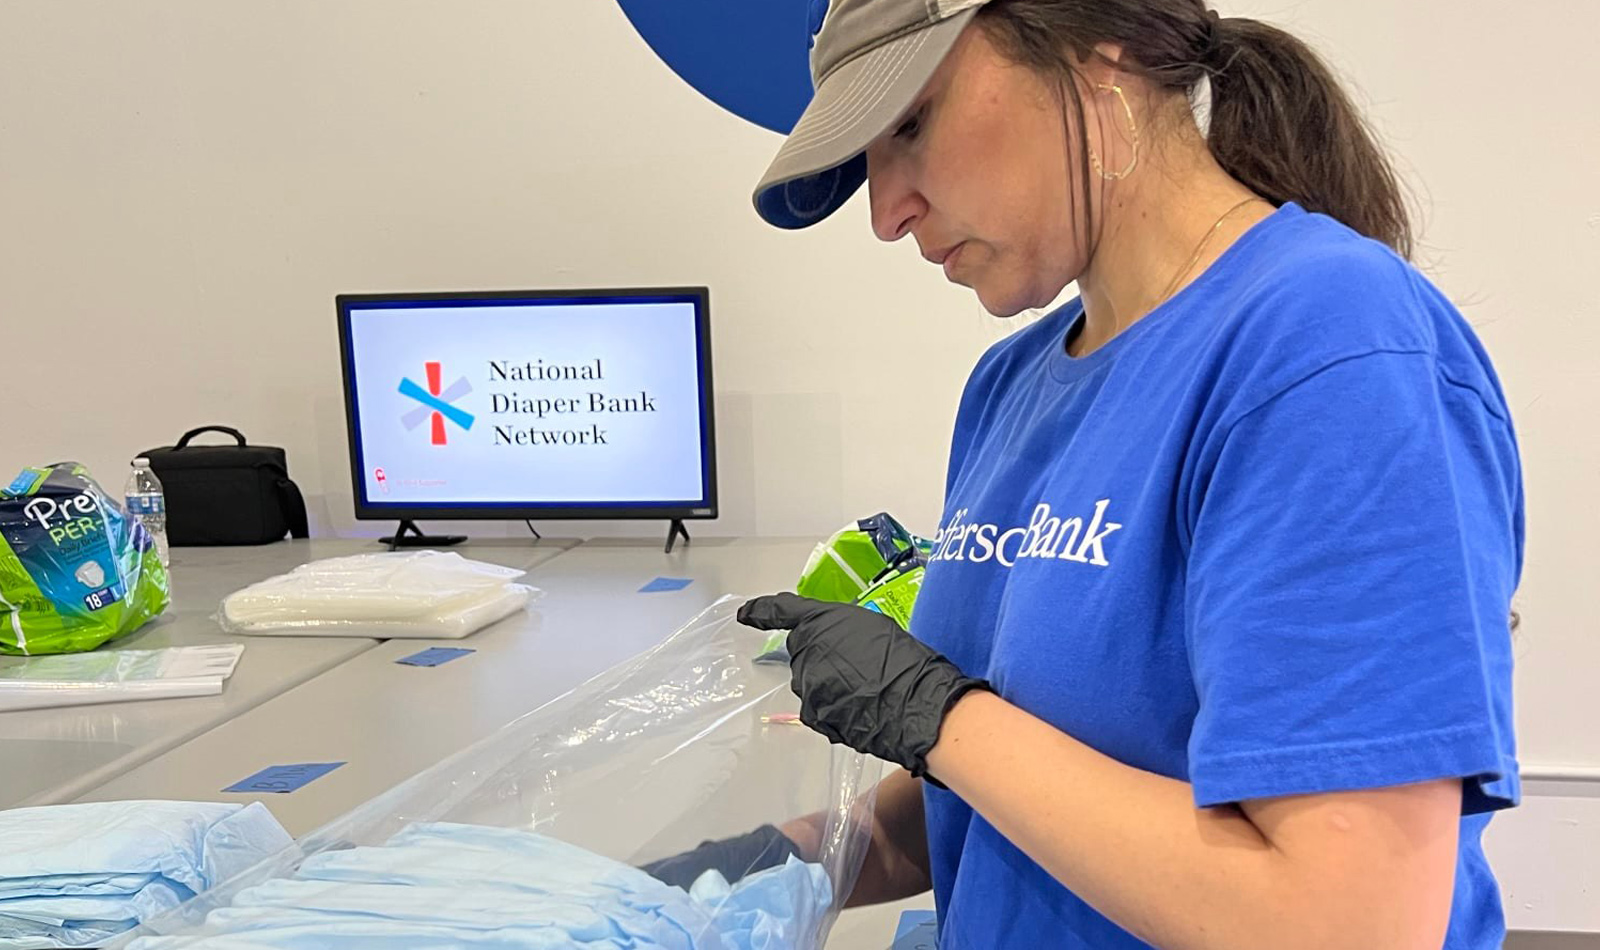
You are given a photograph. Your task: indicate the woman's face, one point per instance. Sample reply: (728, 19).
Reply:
(979, 172)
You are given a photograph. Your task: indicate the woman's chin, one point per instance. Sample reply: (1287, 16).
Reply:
(1001, 302)
(1007, 298)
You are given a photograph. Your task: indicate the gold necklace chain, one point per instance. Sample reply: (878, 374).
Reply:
(1178, 278)
(1200, 249)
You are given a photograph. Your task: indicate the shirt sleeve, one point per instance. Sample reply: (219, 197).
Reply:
(1354, 544)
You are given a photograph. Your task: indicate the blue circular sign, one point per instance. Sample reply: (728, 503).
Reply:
(752, 57)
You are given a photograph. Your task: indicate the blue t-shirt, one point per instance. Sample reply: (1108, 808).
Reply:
(1264, 542)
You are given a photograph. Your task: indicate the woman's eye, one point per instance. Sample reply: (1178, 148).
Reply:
(908, 129)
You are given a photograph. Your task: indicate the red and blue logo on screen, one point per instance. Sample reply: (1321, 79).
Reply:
(434, 405)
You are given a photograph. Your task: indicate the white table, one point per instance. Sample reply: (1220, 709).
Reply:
(56, 755)
(388, 721)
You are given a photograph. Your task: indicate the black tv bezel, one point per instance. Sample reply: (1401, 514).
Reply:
(669, 509)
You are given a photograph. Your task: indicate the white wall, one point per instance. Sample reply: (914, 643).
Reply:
(184, 185)
(212, 173)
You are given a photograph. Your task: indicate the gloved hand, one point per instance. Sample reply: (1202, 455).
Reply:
(862, 680)
(735, 858)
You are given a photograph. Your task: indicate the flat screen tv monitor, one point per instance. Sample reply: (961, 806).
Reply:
(546, 404)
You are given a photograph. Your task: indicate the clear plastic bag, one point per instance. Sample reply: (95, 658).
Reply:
(82, 679)
(688, 742)
(428, 594)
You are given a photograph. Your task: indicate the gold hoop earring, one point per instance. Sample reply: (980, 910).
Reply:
(1133, 136)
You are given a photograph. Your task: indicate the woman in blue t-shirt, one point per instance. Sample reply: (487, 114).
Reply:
(1212, 650)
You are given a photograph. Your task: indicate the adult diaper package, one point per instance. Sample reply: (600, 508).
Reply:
(75, 569)
(895, 594)
(857, 556)
(538, 836)
(875, 563)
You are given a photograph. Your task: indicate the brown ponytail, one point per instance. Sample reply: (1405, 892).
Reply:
(1280, 121)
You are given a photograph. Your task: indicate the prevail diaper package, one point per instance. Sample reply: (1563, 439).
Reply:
(873, 563)
(75, 569)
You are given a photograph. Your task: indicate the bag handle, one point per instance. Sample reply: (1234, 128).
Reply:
(225, 430)
(294, 508)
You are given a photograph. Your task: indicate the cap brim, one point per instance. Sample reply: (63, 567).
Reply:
(823, 161)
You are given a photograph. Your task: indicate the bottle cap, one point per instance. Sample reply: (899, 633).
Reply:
(141, 462)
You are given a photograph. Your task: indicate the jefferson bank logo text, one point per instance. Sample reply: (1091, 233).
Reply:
(1045, 536)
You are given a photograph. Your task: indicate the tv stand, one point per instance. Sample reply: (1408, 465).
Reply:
(408, 535)
(675, 529)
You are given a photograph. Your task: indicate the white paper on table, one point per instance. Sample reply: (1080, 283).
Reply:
(111, 676)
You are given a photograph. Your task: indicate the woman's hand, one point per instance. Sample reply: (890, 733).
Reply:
(734, 858)
(894, 867)
(862, 680)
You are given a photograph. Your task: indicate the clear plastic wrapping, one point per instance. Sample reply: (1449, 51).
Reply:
(686, 743)
(110, 676)
(427, 594)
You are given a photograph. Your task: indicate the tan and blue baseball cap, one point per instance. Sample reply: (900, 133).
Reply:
(869, 61)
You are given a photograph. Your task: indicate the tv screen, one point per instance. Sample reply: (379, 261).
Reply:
(552, 404)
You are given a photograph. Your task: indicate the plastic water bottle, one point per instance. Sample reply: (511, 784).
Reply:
(145, 501)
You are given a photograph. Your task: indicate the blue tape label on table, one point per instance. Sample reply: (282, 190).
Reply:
(918, 930)
(284, 778)
(434, 656)
(664, 584)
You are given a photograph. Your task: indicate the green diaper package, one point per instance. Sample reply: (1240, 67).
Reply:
(874, 562)
(895, 595)
(846, 565)
(75, 570)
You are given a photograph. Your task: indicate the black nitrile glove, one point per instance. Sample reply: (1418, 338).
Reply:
(735, 858)
(862, 680)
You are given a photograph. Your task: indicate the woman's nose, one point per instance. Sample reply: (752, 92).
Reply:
(896, 204)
